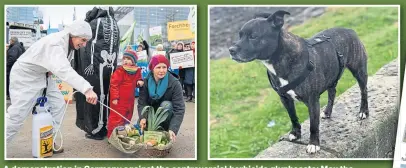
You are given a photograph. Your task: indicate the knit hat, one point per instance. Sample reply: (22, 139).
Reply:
(157, 59)
(131, 55)
(160, 46)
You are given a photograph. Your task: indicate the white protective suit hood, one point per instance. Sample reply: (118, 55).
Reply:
(80, 28)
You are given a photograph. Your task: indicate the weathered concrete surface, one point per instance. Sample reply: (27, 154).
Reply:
(225, 22)
(344, 135)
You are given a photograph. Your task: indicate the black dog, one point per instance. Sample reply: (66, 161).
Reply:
(302, 69)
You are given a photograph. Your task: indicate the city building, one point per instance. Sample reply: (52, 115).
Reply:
(156, 16)
(147, 17)
(26, 15)
(21, 19)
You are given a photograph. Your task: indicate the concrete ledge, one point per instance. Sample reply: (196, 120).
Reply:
(344, 135)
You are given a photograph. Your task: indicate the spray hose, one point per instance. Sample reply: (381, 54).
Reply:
(63, 115)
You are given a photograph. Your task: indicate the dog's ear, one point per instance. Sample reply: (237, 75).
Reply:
(262, 15)
(277, 18)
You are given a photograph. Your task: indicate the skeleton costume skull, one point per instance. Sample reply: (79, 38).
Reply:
(96, 63)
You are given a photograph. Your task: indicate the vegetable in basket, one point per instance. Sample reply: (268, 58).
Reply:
(155, 118)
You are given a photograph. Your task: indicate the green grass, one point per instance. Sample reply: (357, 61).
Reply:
(242, 102)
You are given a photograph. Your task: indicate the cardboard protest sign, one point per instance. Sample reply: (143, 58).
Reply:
(182, 59)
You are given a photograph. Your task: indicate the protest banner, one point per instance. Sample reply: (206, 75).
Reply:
(179, 30)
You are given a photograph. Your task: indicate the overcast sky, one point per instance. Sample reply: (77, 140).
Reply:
(59, 14)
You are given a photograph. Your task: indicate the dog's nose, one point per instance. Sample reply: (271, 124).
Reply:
(233, 50)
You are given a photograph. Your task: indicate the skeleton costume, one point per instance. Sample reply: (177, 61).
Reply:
(96, 63)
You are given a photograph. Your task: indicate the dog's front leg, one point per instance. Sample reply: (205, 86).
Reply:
(289, 104)
(314, 113)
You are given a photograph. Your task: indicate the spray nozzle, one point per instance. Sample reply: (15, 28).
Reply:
(41, 101)
(137, 126)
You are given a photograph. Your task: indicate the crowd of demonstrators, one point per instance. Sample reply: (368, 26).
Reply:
(160, 88)
(29, 77)
(186, 75)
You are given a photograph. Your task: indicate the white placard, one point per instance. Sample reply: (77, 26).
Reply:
(142, 56)
(155, 31)
(23, 35)
(182, 59)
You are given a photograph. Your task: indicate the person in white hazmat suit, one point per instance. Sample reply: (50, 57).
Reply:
(30, 75)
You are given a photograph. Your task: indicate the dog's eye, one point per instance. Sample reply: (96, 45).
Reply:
(253, 37)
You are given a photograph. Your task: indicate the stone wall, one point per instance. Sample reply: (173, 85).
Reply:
(344, 135)
(225, 22)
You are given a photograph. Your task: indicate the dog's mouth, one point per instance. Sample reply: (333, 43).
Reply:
(239, 55)
(239, 60)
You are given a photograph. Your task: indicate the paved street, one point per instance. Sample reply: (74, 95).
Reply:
(77, 146)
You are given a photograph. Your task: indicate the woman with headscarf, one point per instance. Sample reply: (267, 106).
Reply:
(30, 76)
(162, 89)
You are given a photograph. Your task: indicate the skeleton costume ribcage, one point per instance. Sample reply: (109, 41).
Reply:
(95, 63)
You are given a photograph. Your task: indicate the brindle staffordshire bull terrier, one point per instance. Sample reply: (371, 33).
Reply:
(302, 69)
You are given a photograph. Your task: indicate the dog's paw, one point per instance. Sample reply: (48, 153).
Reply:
(362, 116)
(312, 148)
(324, 116)
(292, 137)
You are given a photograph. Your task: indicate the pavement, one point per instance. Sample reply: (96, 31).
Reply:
(77, 146)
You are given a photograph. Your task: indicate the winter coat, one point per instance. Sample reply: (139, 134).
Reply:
(173, 94)
(22, 47)
(122, 86)
(189, 76)
(13, 53)
(190, 73)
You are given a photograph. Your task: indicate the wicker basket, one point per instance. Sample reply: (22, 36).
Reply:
(140, 150)
(155, 151)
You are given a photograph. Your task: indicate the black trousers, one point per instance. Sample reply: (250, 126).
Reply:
(8, 84)
(189, 89)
